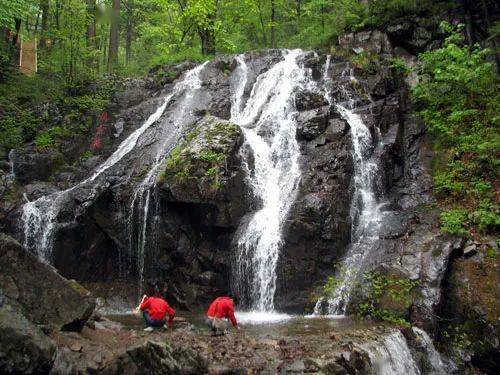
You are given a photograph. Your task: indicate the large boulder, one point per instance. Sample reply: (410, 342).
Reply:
(24, 348)
(205, 171)
(157, 358)
(33, 165)
(470, 305)
(39, 292)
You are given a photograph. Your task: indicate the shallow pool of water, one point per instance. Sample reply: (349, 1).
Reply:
(260, 324)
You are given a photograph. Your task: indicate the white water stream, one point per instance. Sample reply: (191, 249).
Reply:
(39, 217)
(268, 123)
(365, 209)
(392, 356)
(142, 196)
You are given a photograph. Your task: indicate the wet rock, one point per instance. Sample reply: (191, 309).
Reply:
(336, 129)
(38, 189)
(312, 123)
(373, 42)
(470, 250)
(157, 358)
(306, 100)
(166, 74)
(204, 172)
(470, 307)
(31, 165)
(43, 296)
(24, 348)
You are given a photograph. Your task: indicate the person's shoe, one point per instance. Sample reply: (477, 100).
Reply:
(148, 329)
(165, 326)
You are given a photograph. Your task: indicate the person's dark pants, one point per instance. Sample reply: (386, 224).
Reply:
(218, 326)
(153, 322)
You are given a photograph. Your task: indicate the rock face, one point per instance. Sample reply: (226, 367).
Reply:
(34, 300)
(42, 295)
(205, 170)
(24, 348)
(470, 306)
(157, 358)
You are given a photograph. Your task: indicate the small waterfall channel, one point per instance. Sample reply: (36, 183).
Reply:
(365, 210)
(39, 217)
(268, 123)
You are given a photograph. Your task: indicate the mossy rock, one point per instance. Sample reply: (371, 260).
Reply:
(200, 165)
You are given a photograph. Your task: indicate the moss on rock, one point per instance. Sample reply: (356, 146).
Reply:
(201, 162)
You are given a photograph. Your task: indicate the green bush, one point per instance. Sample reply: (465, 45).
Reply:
(44, 141)
(455, 222)
(386, 297)
(459, 100)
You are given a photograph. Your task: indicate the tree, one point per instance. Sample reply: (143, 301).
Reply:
(44, 7)
(273, 24)
(129, 30)
(91, 23)
(114, 36)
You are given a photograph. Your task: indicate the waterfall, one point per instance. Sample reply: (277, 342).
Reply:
(140, 202)
(433, 363)
(12, 173)
(268, 124)
(39, 217)
(365, 209)
(38, 220)
(392, 356)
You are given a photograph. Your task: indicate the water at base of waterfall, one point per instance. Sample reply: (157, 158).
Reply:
(267, 120)
(262, 317)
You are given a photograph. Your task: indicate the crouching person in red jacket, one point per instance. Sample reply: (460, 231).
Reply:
(220, 311)
(155, 310)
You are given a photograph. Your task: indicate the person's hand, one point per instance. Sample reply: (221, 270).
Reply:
(238, 328)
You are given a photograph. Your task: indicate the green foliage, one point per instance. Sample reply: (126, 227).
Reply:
(385, 297)
(455, 222)
(400, 65)
(206, 164)
(459, 100)
(11, 9)
(44, 141)
(17, 123)
(458, 338)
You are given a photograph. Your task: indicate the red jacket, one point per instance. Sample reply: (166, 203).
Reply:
(158, 308)
(222, 307)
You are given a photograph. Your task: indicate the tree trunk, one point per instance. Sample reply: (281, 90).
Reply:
(44, 6)
(91, 27)
(207, 35)
(261, 19)
(129, 30)
(494, 39)
(114, 36)
(273, 20)
(468, 23)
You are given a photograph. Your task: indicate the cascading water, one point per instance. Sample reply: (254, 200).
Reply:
(434, 364)
(142, 195)
(39, 217)
(365, 210)
(268, 123)
(392, 356)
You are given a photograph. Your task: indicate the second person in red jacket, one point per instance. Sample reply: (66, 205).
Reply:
(155, 310)
(221, 310)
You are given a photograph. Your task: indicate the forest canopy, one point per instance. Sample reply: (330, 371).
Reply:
(86, 37)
